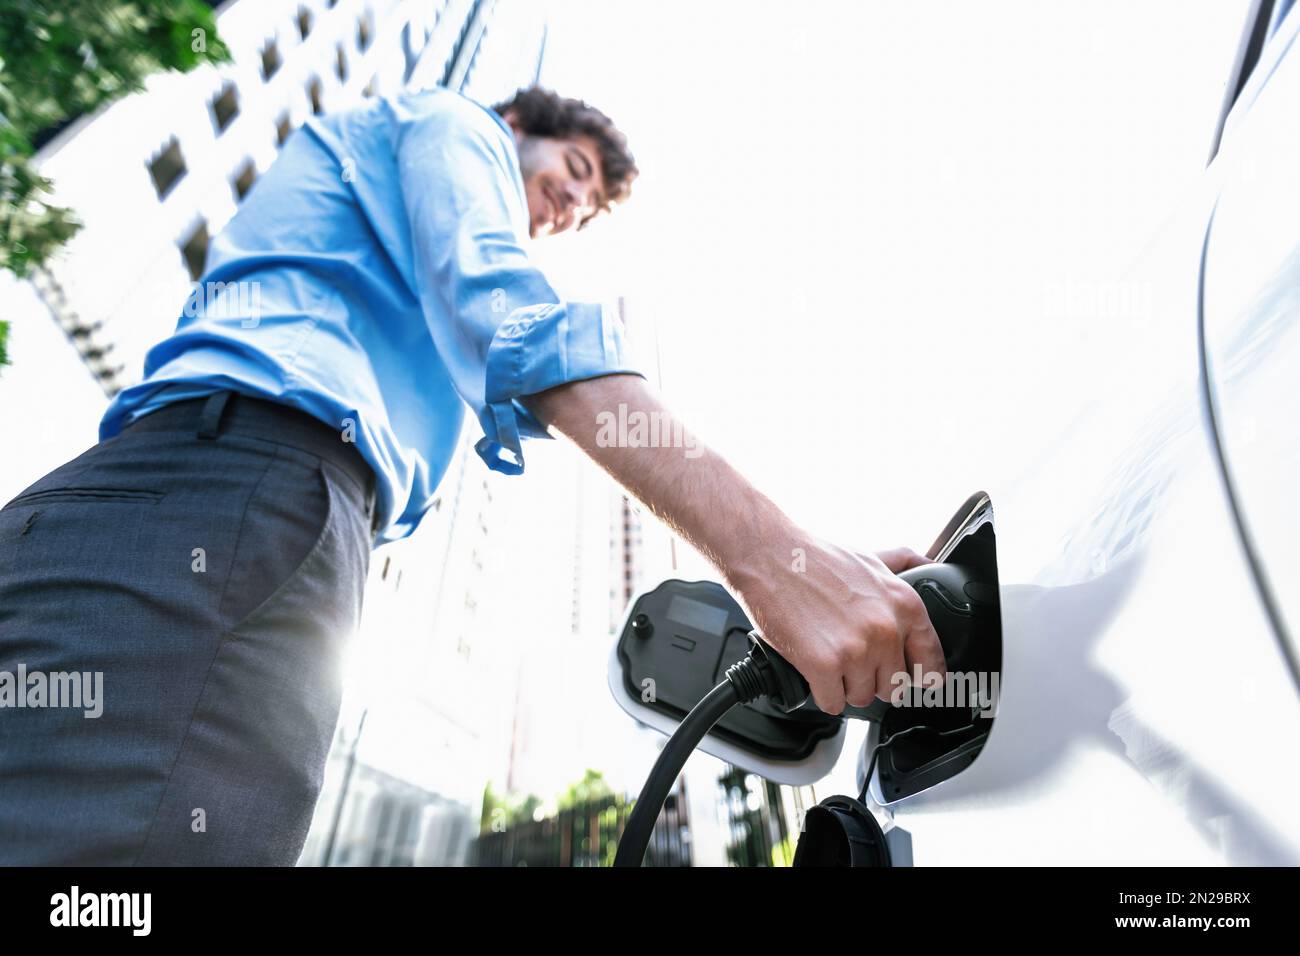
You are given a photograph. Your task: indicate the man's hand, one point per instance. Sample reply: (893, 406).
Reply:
(845, 622)
(843, 619)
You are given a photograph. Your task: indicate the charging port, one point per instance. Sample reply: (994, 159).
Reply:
(939, 732)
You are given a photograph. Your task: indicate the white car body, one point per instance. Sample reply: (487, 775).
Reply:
(1149, 705)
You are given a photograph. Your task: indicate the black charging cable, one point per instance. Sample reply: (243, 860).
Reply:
(762, 673)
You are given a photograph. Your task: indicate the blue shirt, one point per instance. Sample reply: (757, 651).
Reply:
(376, 278)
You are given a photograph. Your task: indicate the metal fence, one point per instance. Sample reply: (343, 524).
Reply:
(763, 818)
(585, 834)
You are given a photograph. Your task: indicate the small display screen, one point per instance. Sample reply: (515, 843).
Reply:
(697, 614)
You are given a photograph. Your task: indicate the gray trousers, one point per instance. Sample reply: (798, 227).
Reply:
(204, 570)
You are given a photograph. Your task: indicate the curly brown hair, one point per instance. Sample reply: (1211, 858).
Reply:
(542, 112)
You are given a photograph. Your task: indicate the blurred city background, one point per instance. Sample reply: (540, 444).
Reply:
(824, 223)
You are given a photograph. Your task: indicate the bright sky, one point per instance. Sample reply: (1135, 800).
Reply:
(843, 205)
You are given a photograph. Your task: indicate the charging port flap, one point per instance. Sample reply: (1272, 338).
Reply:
(937, 735)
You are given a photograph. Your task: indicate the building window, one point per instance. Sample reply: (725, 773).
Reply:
(270, 59)
(304, 22)
(363, 32)
(341, 65)
(225, 107)
(167, 167)
(81, 332)
(314, 94)
(244, 181)
(283, 128)
(195, 251)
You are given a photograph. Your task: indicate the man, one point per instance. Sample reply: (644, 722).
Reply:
(206, 558)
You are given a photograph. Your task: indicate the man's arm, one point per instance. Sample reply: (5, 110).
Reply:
(501, 330)
(845, 621)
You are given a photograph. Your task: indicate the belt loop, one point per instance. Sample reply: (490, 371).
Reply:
(210, 419)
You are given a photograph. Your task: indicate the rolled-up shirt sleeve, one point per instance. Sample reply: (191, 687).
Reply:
(501, 330)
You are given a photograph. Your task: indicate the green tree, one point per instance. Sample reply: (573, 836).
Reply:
(589, 789)
(60, 59)
(513, 809)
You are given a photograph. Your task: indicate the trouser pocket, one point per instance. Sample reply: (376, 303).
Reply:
(250, 766)
(88, 495)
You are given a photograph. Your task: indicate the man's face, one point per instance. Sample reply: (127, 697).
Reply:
(562, 180)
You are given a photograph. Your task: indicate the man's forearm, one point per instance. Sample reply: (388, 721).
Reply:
(841, 618)
(688, 486)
